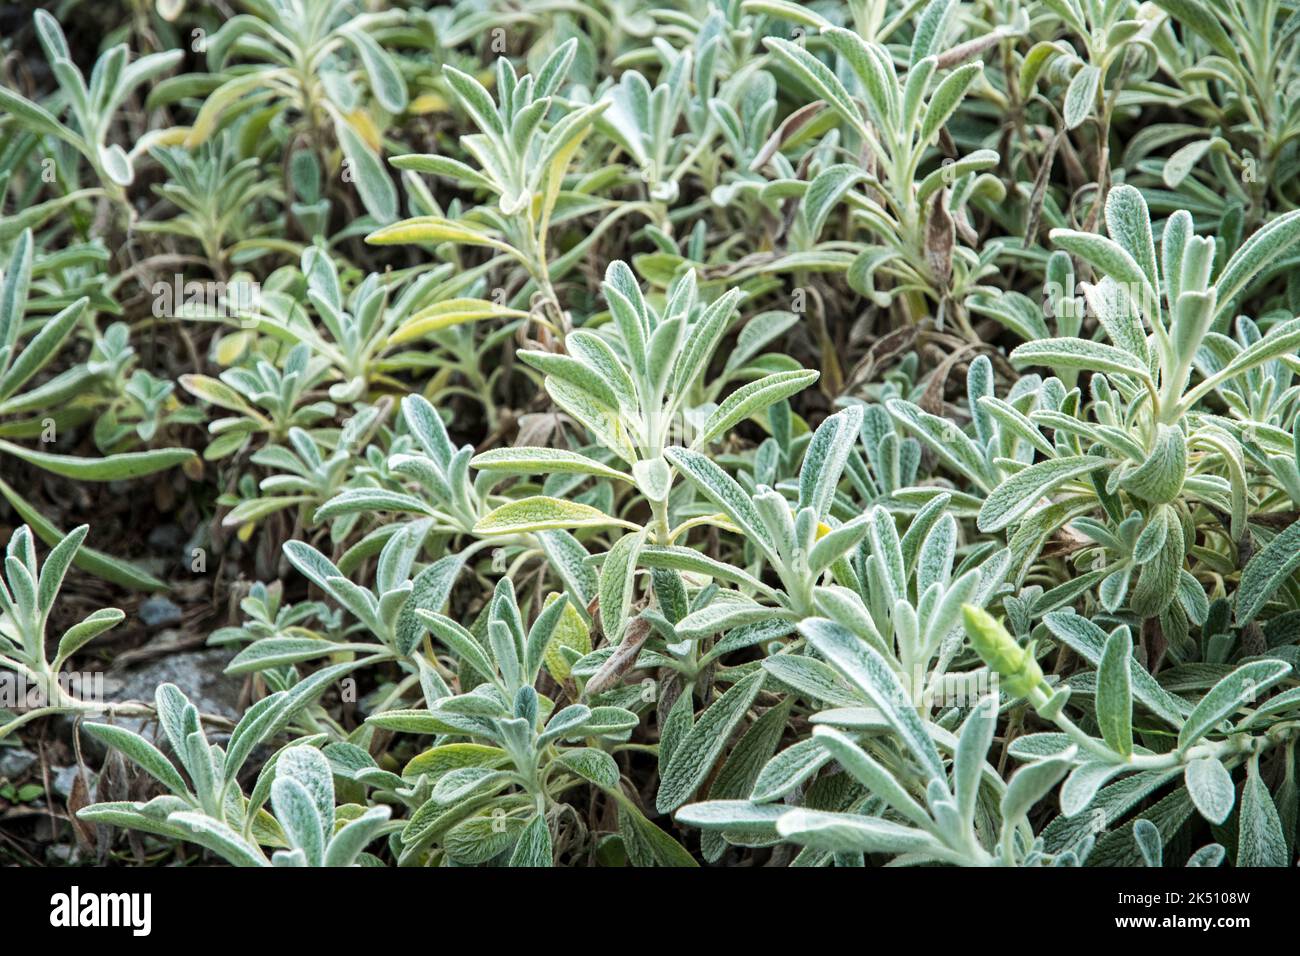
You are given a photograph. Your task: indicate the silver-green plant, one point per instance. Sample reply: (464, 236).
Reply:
(211, 810)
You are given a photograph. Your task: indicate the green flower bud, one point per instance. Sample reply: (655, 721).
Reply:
(1016, 667)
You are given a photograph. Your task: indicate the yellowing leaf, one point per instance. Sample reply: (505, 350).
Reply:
(540, 513)
(442, 315)
(717, 520)
(216, 392)
(362, 122)
(570, 631)
(226, 95)
(173, 136)
(232, 346)
(434, 229)
(555, 176)
(428, 103)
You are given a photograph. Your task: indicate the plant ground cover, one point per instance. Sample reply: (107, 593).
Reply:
(620, 433)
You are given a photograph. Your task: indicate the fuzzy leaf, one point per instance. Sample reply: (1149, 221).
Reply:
(1266, 572)
(540, 513)
(694, 757)
(1027, 488)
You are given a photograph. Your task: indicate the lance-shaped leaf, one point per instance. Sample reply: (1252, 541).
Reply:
(699, 750)
(1211, 788)
(788, 769)
(688, 559)
(218, 837)
(1114, 693)
(825, 458)
(819, 78)
(949, 443)
(1080, 96)
(1109, 258)
(1261, 841)
(77, 636)
(864, 668)
(847, 833)
(543, 461)
(443, 315)
(721, 489)
(433, 230)
(1031, 783)
(741, 818)
(1074, 353)
(871, 774)
(1027, 487)
(541, 513)
(43, 346)
(751, 399)
(385, 78)
(1089, 641)
(947, 97)
(373, 184)
(144, 754)
(617, 576)
(132, 464)
(1267, 245)
(1266, 572)
(1243, 686)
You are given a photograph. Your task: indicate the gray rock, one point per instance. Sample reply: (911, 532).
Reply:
(15, 761)
(199, 674)
(167, 538)
(60, 854)
(159, 612)
(63, 780)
